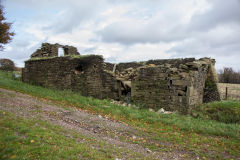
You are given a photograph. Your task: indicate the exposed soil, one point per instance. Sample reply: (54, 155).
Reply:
(99, 127)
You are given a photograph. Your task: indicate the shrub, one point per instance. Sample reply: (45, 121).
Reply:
(224, 111)
(6, 65)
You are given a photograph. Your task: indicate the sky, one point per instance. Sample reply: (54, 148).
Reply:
(128, 30)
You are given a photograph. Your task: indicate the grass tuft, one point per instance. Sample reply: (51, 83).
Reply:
(224, 111)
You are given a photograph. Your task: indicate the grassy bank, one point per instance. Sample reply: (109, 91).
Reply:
(225, 111)
(195, 134)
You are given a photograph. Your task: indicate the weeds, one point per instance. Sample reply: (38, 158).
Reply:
(224, 111)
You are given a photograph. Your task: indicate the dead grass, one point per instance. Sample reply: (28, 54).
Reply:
(233, 91)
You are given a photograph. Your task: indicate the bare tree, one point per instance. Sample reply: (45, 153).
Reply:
(228, 75)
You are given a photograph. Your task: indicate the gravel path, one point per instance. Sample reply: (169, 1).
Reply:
(101, 128)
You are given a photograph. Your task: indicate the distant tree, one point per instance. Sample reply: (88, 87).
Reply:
(7, 65)
(228, 75)
(5, 33)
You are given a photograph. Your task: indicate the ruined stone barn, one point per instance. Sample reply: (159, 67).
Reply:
(174, 84)
(83, 74)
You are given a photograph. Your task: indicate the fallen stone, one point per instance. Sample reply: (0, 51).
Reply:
(161, 110)
(148, 150)
(151, 110)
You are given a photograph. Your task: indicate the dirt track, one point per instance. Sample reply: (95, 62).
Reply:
(96, 126)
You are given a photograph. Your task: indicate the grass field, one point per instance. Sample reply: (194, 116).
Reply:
(202, 136)
(233, 91)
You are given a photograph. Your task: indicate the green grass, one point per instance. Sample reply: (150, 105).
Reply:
(201, 136)
(37, 139)
(25, 139)
(224, 111)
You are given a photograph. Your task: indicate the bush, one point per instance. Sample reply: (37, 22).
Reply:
(7, 65)
(224, 111)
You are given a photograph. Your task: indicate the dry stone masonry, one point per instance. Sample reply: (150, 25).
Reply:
(51, 50)
(175, 84)
(82, 74)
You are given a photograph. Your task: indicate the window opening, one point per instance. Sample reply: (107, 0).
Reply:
(60, 52)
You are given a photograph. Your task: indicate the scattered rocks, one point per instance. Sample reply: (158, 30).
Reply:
(127, 75)
(148, 150)
(151, 110)
(162, 111)
(66, 113)
(120, 103)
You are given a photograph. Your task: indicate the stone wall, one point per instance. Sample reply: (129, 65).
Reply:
(108, 66)
(172, 84)
(172, 62)
(174, 89)
(211, 92)
(51, 50)
(122, 66)
(83, 74)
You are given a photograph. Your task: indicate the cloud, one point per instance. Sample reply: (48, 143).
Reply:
(60, 16)
(214, 33)
(74, 14)
(216, 41)
(220, 13)
(19, 50)
(128, 30)
(166, 23)
(172, 23)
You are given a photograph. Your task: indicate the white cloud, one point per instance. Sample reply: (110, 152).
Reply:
(128, 30)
